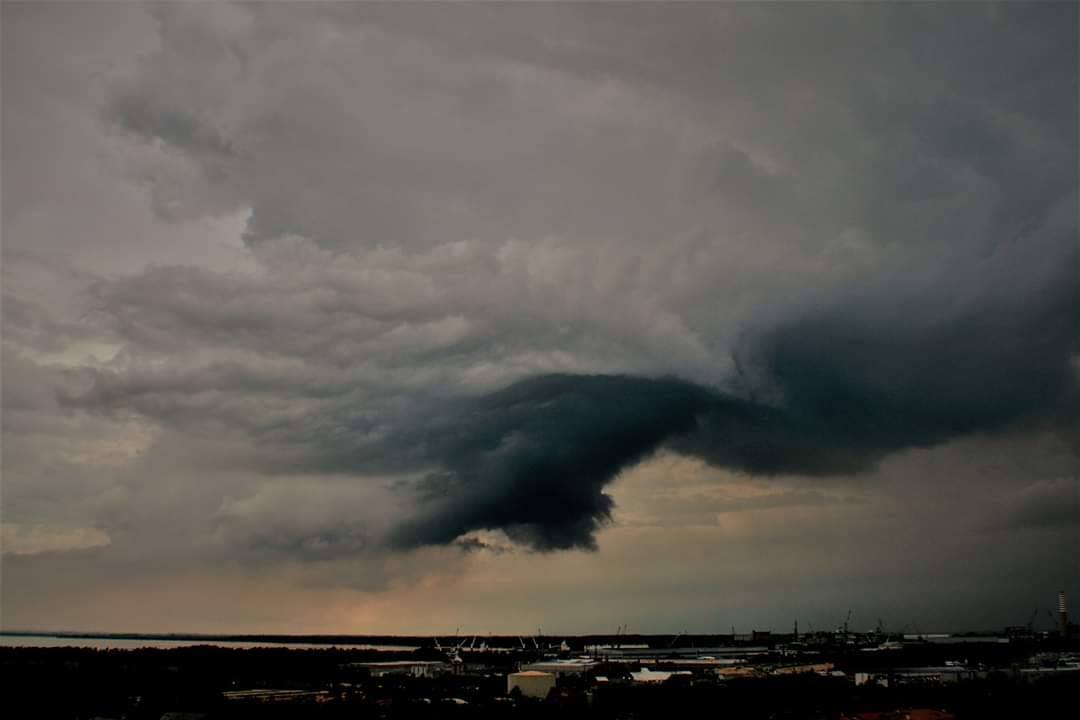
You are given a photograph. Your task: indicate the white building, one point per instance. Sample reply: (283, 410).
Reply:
(531, 683)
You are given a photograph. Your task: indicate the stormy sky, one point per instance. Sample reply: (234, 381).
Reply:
(366, 317)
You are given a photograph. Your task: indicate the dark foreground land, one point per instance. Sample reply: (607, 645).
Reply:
(918, 681)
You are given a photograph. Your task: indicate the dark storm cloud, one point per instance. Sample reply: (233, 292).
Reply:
(830, 391)
(173, 126)
(532, 459)
(830, 388)
(930, 362)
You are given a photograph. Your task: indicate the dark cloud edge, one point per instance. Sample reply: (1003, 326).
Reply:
(830, 392)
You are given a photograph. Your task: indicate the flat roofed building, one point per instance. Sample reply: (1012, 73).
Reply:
(570, 666)
(530, 683)
(416, 668)
(651, 677)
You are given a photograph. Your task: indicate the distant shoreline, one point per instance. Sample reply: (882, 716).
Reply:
(397, 640)
(507, 640)
(164, 641)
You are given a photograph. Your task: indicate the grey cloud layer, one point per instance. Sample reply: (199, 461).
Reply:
(830, 390)
(852, 385)
(969, 108)
(358, 275)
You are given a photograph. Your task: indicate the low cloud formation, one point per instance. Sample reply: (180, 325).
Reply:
(533, 459)
(825, 390)
(23, 539)
(833, 392)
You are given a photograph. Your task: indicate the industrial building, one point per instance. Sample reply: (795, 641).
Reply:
(415, 668)
(530, 683)
(558, 667)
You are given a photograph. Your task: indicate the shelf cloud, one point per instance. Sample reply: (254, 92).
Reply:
(832, 392)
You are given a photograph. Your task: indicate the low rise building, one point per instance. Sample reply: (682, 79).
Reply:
(530, 683)
(654, 677)
(571, 666)
(416, 668)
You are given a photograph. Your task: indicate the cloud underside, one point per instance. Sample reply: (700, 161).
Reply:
(826, 391)
(849, 387)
